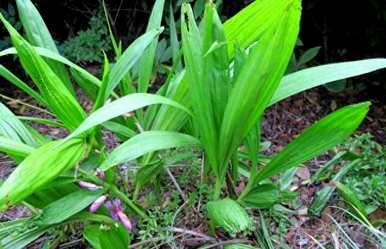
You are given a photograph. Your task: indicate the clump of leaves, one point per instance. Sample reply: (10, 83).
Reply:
(86, 45)
(232, 72)
(368, 179)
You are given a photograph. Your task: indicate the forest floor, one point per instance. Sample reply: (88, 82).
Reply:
(283, 122)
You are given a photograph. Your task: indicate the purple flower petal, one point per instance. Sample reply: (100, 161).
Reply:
(101, 174)
(117, 205)
(97, 203)
(89, 185)
(110, 207)
(125, 220)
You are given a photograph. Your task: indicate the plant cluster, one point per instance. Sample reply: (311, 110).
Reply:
(221, 79)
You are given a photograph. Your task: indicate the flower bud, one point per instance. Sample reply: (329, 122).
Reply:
(89, 185)
(97, 203)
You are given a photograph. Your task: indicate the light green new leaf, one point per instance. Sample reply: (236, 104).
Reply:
(250, 23)
(239, 246)
(315, 76)
(67, 206)
(58, 98)
(39, 168)
(129, 58)
(122, 106)
(147, 142)
(317, 139)
(147, 59)
(229, 215)
(38, 35)
(258, 80)
(15, 149)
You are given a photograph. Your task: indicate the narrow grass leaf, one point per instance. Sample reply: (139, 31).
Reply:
(351, 199)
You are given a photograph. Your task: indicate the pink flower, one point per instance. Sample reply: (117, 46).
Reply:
(89, 185)
(97, 203)
(101, 174)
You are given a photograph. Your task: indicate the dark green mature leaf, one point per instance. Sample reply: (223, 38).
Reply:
(315, 140)
(315, 76)
(146, 142)
(129, 58)
(58, 98)
(67, 206)
(258, 80)
(38, 35)
(147, 59)
(229, 215)
(122, 106)
(39, 168)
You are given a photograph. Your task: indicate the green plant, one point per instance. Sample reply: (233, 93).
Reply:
(87, 45)
(232, 72)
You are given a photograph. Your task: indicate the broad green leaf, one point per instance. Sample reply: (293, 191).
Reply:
(39, 168)
(12, 128)
(240, 29)
(58, 98)
(146, 142)
(67, 206)
(14, 148)
(8, 75)
(122, 106)
(147, 60)
(351, 199)
(129, 58)
(315, 76)
(107, 237)
(38, 35)
(257, 81)
(229, 215)
(317, 139)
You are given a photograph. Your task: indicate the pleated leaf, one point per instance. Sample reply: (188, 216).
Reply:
(58, 98)
(16, 150)
(38, 169)
(323, 135)
(38, 35)
(257, 81)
